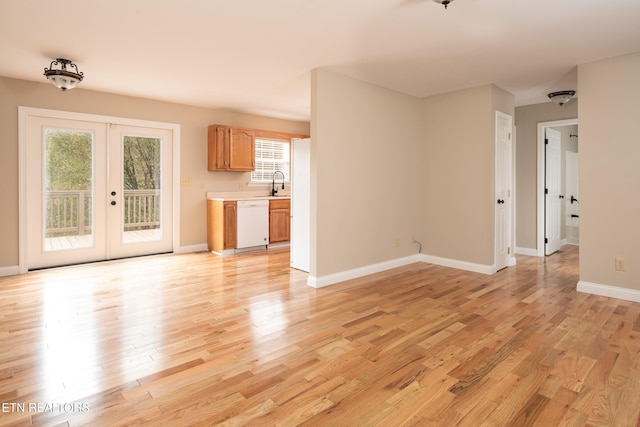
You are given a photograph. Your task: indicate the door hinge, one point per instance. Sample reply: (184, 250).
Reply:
(546, 141)
(508, 250)
(546, 240)
(508, 193)
(546, 191)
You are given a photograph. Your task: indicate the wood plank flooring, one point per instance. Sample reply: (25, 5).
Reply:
(198, 339)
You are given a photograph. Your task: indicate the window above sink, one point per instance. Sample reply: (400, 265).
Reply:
(270, 156)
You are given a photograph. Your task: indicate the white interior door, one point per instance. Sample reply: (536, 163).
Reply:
(553, 172)
(504, 179)
(571, 198)
(95, 191)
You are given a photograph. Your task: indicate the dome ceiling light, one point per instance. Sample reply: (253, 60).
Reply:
(63, 77)
(443, 2)
(562, 96)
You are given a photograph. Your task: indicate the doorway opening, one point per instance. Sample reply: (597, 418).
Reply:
(557, 186)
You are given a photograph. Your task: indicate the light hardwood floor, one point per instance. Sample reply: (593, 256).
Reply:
(201, 340)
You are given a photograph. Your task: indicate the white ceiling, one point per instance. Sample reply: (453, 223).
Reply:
(256, 55)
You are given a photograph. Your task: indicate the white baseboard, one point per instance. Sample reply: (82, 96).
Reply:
(278, 245)
(189, 249)
(331, 279)
(9, 271)
(527, 251)
(460, 265)
(609, 291)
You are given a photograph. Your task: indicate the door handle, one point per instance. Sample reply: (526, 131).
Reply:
(113, 203)
(113, 193)
(500, 202)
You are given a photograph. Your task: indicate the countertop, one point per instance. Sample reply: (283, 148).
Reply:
(230, 196)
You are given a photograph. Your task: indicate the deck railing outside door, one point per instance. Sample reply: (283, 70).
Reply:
(68, 211)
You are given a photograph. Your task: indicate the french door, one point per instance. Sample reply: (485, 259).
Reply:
(96, 191)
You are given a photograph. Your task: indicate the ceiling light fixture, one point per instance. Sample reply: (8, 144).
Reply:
(443, 2)
(562, 96)
(61, 77)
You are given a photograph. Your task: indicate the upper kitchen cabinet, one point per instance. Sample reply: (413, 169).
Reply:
(231, 149)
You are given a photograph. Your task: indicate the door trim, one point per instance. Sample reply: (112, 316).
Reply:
(23, 115)
(540, 215)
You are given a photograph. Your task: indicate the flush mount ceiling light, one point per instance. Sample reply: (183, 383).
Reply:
(443, 2)
(62, 77)
(562, 96)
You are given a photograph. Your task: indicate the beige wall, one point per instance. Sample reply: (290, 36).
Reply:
(526, 122)
(366, 171)
(436, 176)
(192, 120)
(609, 171)
(458, 203)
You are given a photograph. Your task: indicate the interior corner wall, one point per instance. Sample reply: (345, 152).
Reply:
(193, 123)
(458, 181)
(609, 174)
(366, 174)
(526, 122)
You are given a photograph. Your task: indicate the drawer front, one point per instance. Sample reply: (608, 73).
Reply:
(279, 204)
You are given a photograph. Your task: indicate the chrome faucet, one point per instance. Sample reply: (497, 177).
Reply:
(274, 190)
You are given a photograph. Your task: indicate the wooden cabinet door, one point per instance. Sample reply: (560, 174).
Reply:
(279, 221)
(218, 148)
(241, 149)
(230, 225)
(231, 149)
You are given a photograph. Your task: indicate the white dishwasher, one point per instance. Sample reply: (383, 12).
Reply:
(253, 223)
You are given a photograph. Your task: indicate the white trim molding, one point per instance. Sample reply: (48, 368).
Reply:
(343, 276)
(460, 265)
(527, 251)
(202, 247)
(609, 291)
(332, 279)
(9, 271)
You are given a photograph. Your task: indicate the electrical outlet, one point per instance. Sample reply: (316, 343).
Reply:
(185, 182)
(620, 264)
(397, 242)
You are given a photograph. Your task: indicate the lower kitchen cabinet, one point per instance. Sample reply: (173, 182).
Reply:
(279, 220)
(221, 225)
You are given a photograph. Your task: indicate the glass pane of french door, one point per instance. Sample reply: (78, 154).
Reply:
(68, 189)
(142, 172)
